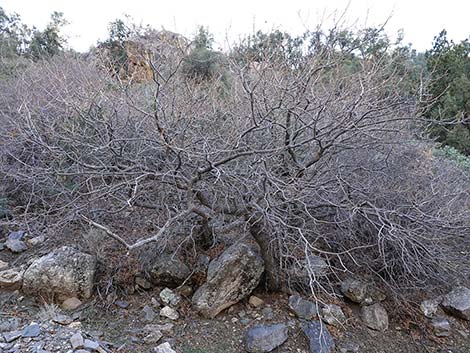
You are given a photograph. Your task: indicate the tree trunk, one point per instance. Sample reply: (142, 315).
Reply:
(270, 257)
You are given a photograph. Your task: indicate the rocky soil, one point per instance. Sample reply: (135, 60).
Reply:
(49, 304)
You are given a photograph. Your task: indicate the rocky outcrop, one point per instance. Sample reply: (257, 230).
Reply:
(265, 338)
(457, 302)
(61, 274)
(167, 271)
(230, 278)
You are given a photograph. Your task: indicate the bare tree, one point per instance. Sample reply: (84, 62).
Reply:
(315, 157)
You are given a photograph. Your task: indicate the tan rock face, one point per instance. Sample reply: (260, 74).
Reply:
(62, 274)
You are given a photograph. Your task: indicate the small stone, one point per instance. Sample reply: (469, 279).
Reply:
(319, 338)
(265, 338)
(268, 313)
(71, 303)
(77, 341)
(429, 307)
(32, 330)
(169, 313)
(165, 328)
(169, 297)
(62, 319)
(333, 315)
(255, 302)
(375, 317)
(149, 314)
(18, 235)
(36, 240)
(354, 289)
(3, 265)
(441, 327)
(457, 302)
(121, 304)
(153, 337)
(11, 336)
(164, 348)
(16, 246)
(304, 309)
(91, 345)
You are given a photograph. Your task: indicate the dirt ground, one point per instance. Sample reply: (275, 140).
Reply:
(123, 328)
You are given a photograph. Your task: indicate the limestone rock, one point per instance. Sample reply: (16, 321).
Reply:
(457, 302)
(76, 341)
(230, 278)
(265, 338)
(361, 292)
(12, 278)
(375, 317)
(167, 270)
(318, 336)
(169, 313)
(63, 273)
(333, 315)
(169, 297)
(164, 348)
(153, 337)
(354, 289)
(303, 308)
(429, 307)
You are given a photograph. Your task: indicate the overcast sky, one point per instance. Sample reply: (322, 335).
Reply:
(421, 20)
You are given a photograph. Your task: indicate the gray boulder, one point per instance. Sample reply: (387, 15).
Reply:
(63, 273)
(167, 271)
(318, 336)
(230, 278)
(265, 338)
(457, 303)
(304, 309)
(375, 317)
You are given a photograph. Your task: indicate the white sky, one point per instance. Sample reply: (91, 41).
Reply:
(420, 19)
